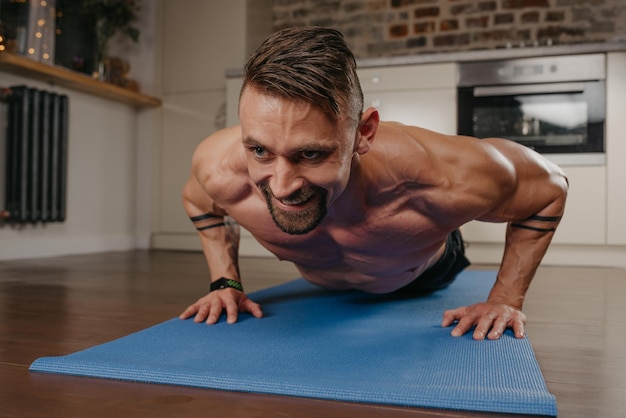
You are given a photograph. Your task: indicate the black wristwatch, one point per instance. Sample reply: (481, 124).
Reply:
(223, 283)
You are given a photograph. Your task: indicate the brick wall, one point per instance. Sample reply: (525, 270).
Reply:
(376, 28)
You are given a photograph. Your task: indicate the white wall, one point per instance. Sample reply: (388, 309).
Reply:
(110, 151)
(100, 189)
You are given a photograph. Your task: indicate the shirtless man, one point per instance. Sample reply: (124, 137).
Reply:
(356, 203)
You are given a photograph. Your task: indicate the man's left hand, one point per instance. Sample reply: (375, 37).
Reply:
(491, 320)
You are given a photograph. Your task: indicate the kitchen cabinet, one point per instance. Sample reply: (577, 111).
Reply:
(420, 95)
(196, 54)
(584, 221)
(616, 148)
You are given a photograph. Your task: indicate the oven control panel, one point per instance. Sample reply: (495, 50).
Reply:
(533, 70)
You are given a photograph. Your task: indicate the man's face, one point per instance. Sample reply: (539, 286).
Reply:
(297, 156)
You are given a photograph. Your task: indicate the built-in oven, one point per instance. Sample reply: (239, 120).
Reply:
(554, 105)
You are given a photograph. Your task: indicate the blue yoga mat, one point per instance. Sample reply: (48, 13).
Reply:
(347, 346)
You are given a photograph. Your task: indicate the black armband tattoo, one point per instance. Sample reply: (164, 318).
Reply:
(202, 228)
(204, 217)
(537, 218)
(544, 218)
(533, 228)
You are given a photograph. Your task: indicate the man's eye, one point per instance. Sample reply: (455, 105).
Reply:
(310, 155)
(258, 151)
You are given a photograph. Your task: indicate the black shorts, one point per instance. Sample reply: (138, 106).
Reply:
(444, 271)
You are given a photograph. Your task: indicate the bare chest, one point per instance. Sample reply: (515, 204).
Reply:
(378, 253)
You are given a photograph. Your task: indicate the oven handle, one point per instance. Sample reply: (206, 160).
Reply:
(529, 89)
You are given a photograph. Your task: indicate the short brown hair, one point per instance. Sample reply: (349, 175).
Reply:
(313, 64)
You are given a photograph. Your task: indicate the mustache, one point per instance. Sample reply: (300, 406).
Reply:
(301, 221)
(298, 197)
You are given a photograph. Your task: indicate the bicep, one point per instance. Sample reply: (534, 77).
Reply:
(482, 181)
(201, 187)
(197, 201)
(537, 186)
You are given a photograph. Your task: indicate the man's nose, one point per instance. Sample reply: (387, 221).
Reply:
(285, 179)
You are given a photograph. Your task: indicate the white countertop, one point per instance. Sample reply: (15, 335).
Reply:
(480, 55)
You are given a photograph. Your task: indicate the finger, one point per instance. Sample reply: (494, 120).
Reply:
(482, 327)
(189, 312)
(518, 328)
(451, 316)
(214, 314)
(498, 328)
(201, 314)
(253, 308)
(463, 326)
(232, 311)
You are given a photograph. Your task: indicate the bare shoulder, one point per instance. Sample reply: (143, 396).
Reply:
(444, 160)
(470, 178)
(522, 157)
(213, 148)
(219, 166)
(400, 154)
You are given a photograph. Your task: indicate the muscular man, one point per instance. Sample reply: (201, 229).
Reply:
(356, 203)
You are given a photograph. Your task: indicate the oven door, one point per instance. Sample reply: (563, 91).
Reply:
(551, 118)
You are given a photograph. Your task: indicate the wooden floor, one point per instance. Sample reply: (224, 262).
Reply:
(56, 306)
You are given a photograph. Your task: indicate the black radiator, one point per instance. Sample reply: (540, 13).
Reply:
(35, 156)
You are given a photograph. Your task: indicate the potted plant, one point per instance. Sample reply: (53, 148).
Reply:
(108, 18)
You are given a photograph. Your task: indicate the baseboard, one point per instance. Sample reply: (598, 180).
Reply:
(557, 255)
(248, 246)
(56, 246)
(478, 253)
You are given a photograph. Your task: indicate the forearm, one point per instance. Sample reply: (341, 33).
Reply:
(220, 243)
(529, 234)
(523, 252)
(219, 236)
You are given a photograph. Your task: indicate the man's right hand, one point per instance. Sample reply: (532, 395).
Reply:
(209, 308)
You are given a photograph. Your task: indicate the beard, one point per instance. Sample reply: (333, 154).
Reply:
(302, 221)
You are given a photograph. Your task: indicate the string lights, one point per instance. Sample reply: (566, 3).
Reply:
(41, 30)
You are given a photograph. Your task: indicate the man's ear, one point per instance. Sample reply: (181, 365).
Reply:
(366, 131)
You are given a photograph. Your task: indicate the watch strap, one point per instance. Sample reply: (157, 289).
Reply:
(224, 282)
